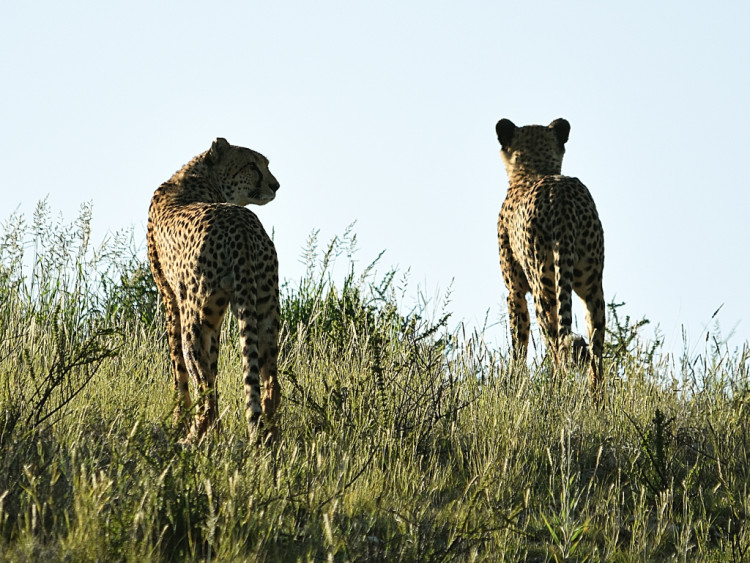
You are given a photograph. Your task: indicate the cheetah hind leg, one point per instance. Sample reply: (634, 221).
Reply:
(518, 312)
(201, 327)
(174, 337)
(518, 315)
(205, 335)
(596, 325)
(183, 403)
(197, 343)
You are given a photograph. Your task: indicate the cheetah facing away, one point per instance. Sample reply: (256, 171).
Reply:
(551, 243)
(207, 253)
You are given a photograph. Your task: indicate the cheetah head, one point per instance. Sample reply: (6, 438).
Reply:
(533, 149)
(241, 174)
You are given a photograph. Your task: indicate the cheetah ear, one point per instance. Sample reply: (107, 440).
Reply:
(217, 150)
(505, 130)
(561, 127)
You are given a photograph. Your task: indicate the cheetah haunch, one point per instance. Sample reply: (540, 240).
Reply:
(207, 253)
(551, 243)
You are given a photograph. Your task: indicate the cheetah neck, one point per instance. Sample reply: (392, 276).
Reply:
(192, 184)
(520, 172)
(196, 168)
(524, 180)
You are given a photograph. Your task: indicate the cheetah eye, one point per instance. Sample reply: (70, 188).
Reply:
(242, 169)
(252, 166)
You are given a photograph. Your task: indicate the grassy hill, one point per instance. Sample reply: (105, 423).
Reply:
(400, 438)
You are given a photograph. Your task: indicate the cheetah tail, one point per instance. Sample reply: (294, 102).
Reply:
(564, 250)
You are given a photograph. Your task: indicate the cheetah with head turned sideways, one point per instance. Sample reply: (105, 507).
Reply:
(551, 243)
(209, 253)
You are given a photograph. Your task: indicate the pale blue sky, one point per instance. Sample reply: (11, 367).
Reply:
(384, 113)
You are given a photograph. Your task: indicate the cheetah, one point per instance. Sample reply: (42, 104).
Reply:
(209, 253)
(551, 243)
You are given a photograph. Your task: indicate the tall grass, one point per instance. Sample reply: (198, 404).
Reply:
(401, 438)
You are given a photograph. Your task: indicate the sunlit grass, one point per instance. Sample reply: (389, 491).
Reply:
(400, 440)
